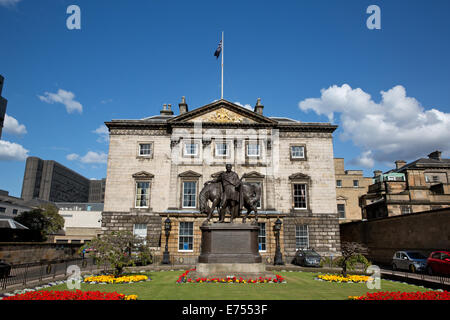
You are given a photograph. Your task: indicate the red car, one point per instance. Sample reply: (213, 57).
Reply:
(439, 263)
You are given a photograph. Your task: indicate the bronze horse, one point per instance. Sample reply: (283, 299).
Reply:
(213, 192)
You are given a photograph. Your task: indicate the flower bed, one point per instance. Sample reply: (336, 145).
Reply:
(185, 279)
(428, 295)
(348, 279)
(70, 295)
(115, 280)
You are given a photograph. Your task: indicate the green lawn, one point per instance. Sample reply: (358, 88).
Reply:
(299, 286)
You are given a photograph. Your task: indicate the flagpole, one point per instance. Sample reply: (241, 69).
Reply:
(221, 96)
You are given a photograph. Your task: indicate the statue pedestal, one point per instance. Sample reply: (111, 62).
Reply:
(230, 249)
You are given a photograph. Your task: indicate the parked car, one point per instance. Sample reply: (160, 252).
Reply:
(5, 269)
(412, 261)
(307, 258)
(439, 263)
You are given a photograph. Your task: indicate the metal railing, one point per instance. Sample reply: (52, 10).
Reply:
(43, 272)
(442, 280)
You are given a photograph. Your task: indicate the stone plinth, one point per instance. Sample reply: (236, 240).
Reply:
(229, 243)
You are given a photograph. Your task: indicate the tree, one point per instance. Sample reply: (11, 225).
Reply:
(352, 253)
(118, 249)
(44, 219)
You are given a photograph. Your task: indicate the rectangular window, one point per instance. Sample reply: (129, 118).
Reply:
(355, 183)
(14, 211)
(405, 209)
(221, 149)
(189, 194)
(142, 194)
(301, 237)
(140, 230)
(2, 210)
(145, 149)
(262, 236)
(253, 149)
(298, 152)
(339, 183)
(341, 210)
(300, 196)
(186, 236)
(191, 149)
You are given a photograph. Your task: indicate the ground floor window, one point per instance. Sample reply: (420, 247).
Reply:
(140, 230)
(262, 236)
(186, 236)
(301, 237)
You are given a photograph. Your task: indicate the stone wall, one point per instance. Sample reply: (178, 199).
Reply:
(323, 230)
(18, 253)
(424, 231)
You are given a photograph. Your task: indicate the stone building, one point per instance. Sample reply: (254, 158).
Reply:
(12, 206)
(3, 103)
(158, 165)
(51, 181)
(350, 185)
(421, 185)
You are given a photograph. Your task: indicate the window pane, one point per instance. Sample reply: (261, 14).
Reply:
(145, 149)
(355, 183)
(262, 237)
(190, 148)
(253, 149)
(142, 194)
(258, 205)
(341, 210)
(301, 237)
(339, 183)
(221, 149)
(189, 194)
(186, 236)
(298, 151)
(300, 196)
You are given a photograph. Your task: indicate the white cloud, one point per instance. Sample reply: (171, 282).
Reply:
(64, 97)
(364, 160)
(246, 106)
(103, 133)
(10, 151)
(72, 157)
(91, 157)
(11, 125)
(106, 101)
(397, 127)
(9, 3)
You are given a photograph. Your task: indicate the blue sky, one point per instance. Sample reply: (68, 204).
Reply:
(315, 61)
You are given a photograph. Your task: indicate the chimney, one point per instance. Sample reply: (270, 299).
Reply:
(167, 110)
(436, 155)
(377, 173)
(259, 107)
(183, 105)
(399, 164)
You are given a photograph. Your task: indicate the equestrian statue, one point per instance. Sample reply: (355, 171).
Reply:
(228, 193)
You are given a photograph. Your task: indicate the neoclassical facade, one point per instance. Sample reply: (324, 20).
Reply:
(158, 165)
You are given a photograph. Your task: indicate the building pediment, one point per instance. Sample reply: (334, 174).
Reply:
(299, 176)
(254, 175)
(189, 174)
(142, 175)
(222, 112)
(341, 198)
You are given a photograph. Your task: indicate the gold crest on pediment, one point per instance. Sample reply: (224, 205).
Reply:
(222, 115)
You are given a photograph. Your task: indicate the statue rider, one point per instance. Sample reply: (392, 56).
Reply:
(231, 195)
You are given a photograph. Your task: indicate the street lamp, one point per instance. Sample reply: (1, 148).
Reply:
(278, 255)
(167, 227)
